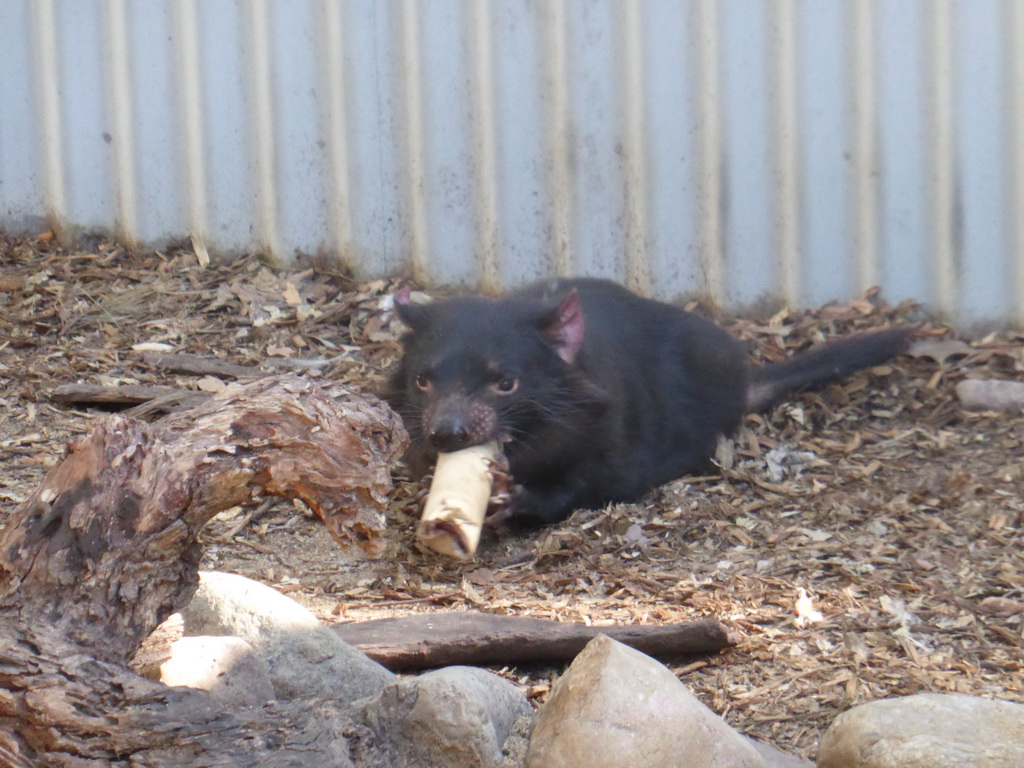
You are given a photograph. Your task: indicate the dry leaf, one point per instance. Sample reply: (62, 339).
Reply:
(1001, 606)
(11, 283)
(805, 611)
(201, 252)
(472, 594)
(153, 346)
(291, 295)
(210, 384)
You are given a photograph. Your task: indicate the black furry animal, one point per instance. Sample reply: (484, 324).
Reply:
(597, 395)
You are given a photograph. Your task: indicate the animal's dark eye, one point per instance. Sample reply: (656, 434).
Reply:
(505, 386)
(423, 383)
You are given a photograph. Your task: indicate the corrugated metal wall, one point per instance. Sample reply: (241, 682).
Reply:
(800, 150)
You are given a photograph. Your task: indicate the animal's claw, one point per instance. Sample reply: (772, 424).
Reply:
(424, 489)
(501, 510)
(501, 480)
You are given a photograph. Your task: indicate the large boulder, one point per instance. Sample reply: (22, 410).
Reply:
(615, 707)
(305, 658)
(928, 730)
(456, 717)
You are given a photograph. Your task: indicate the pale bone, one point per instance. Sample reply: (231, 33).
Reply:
(454, 512)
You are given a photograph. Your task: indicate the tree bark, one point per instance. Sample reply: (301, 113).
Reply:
(106, 549)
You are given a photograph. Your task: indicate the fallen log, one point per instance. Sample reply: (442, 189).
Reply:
(200, 365)
(125, 395)
(106, 549)
(428, 640)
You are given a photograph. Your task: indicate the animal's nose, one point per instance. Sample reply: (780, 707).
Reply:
(451, 434)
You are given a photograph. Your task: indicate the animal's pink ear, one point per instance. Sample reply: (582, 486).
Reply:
(563, 327)
(409, 313)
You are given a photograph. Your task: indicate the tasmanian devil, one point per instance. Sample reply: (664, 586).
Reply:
(596, 394)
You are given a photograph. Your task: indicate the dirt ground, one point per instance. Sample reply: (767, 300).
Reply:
(895, 512)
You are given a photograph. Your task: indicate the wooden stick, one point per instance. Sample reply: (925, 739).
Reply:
(439, 639)
(130, 394)
(200, 365)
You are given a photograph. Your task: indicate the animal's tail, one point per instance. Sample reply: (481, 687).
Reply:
(821, 365)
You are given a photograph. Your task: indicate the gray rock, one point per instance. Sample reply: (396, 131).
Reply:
(929, 730)
(456, 717)
(615, 707)
(776, 758)
(227, 667)
(304, 657)
(991, 394)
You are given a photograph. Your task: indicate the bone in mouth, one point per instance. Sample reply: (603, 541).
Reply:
(457, 502)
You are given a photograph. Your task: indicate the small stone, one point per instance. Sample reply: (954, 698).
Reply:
(305, 658)
(456, 717)
(991, 394)
(927, 730)
(227, 667)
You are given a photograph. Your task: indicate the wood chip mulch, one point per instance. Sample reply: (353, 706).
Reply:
(865, 540)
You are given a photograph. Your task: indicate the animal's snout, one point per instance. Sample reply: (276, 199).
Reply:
(458, 423)
(450, 435)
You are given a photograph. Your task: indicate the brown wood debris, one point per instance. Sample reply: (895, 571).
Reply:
(898, 512)
(200, 365)
(129, 394)
(106, 548)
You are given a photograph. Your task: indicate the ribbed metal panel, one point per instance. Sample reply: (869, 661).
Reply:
(745, 150)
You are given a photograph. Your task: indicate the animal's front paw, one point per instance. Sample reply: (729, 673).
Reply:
(423, 489)
(510, 510)
(502, 485)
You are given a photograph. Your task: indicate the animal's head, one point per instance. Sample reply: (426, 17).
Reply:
(476, 369)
